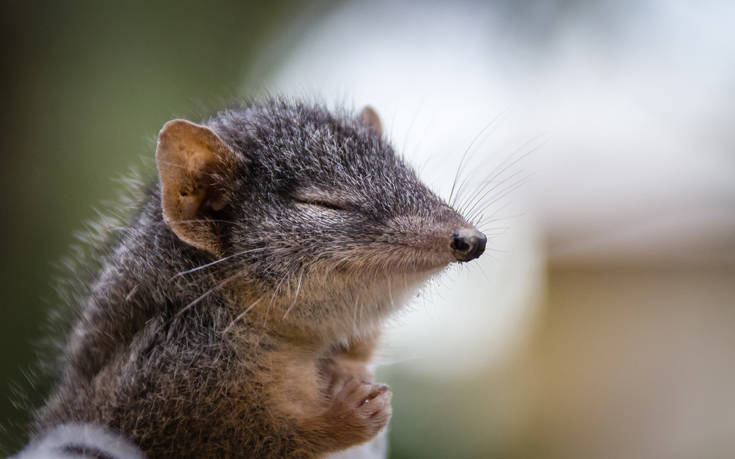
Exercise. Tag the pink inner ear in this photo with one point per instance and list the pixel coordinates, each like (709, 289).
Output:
(188, 206)
(186, 155)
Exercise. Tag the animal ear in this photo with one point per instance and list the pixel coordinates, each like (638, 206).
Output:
(192, 161)
(369, 117)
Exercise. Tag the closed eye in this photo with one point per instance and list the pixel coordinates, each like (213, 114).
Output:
(326, 204)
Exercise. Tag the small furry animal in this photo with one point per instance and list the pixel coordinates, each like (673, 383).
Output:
(235, 313)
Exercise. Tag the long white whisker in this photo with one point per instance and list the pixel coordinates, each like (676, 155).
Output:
(498, 170)
(487, 191)
(494, 218)
(296, 297)
(241, 315)
(189, 271)
(273, 298)
(480, 215)
(466, 152)
(390, 293)
(207, 293)
(504, 193)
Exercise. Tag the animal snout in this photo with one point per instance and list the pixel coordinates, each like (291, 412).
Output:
(468, 244)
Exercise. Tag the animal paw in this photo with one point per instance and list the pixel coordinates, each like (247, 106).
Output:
(338, 373)
(360, 410)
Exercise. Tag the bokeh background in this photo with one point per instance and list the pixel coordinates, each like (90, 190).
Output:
(601, 322)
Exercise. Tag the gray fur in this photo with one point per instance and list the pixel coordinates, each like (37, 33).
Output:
(166, 349)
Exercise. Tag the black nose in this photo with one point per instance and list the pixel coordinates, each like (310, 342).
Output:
(468, 244)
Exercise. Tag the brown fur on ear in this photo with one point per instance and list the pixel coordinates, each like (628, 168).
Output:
(187, 155)
(369, 117)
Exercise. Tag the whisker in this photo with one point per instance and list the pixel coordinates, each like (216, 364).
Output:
(501, 168)
(131, 293)
(207, 220)
(466, 180)
(386, 363)
(481, 220)
(497, 171)
(508, 190)
(296, 297)
(207, 265)
(485, 192)
(354, 315)
(241, 315)
(207, 293)
(390, 292)
(273, 298)
(360, 306)
(482, 271)
(466, 152)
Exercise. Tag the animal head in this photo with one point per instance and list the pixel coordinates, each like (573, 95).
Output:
(313, 210)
